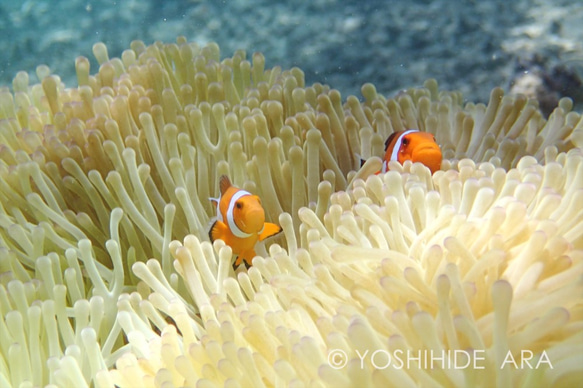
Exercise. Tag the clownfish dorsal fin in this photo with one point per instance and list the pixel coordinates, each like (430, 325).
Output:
(224, 184)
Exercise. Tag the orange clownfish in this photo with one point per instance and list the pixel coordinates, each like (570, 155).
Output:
(412, 145)
(240, 221)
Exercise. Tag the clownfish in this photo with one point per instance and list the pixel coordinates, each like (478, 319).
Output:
(412, 145)
(240, 221)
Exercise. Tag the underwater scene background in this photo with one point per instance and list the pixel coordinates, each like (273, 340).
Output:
(420, 163)
(471, 46)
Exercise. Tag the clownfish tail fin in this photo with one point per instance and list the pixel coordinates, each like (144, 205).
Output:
(360, 158)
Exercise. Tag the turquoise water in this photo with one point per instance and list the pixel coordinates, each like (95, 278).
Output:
(472, 46)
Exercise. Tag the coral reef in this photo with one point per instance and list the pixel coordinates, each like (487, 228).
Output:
(535, 79)
(107, 276)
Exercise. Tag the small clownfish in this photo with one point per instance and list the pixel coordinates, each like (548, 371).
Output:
(240, 221)
(412, 145)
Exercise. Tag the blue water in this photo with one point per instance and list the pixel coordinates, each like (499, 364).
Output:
(472, 46)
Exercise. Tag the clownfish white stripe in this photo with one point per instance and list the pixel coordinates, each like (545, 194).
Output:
(399, 142)
(231, 220)
(218, 201)
(385, 167)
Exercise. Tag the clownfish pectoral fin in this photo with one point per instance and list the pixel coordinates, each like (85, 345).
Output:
(215, 201)
(218, 230)
(224, 184)
(269, 230)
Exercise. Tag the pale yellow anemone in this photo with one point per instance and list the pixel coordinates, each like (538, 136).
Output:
(108, 278)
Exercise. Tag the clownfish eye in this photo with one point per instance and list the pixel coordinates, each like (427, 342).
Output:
(239, 205)
(405, 142)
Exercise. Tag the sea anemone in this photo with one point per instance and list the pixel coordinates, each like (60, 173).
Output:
(108, 277)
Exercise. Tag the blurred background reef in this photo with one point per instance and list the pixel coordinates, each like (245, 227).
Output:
(529, 46)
